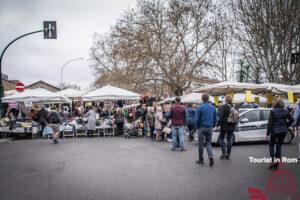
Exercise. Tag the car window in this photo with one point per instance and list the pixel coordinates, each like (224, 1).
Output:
(265, 115)
(252, 116)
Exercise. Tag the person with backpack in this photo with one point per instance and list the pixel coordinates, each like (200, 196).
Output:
(228, 120)
(42, 118)
(278, 126)
(296, 124)
(190, 116)
(55, 122)
(206, 119)
(151, 121)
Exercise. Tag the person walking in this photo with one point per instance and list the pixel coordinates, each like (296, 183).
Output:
(158, 123)
(206, 119)
(55, 122)
(142, 113)
(190, 116)
(178, 121)
(91, 125)
(42, 118)
(151, 122)
(279, 121)
(296, 124)
(119, 121)
(227, 126)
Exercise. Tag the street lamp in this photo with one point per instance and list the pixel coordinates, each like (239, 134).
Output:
(62, 68)
(82, 80)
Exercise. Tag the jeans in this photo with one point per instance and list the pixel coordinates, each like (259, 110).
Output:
(226, 148)
(178, 131)
(276, 139)
(152, 128)
(207, 134)
(191, 131)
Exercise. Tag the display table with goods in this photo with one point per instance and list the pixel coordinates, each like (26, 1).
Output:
(17, 129)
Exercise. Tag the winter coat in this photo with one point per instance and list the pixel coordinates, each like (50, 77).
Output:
(158, 120)
(279, 121)
(151, 119)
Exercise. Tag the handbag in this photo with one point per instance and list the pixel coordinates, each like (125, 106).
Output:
(167, 130)
(47, 131)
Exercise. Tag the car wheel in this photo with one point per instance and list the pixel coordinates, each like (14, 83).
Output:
(288, 138)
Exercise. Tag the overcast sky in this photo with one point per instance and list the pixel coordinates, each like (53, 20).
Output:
(33, 58)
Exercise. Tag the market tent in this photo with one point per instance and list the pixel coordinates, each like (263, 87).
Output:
(167, 100)
(241, 98)
(39, 95)
(194, 98)
(10, 92)
(281, 88)
(227, 87)
(71, 93)
(110, 93)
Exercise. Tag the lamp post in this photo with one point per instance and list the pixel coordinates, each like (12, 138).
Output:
(62, 68)
(82, 80)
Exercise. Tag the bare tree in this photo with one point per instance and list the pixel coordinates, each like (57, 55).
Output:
(268, 32)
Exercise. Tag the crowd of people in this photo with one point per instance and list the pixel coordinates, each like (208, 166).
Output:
(171, 121)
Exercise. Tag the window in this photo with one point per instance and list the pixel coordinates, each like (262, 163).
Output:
(252, 116)
(265, 115)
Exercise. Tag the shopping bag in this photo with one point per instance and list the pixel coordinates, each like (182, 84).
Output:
(47, 131)
(167, 130)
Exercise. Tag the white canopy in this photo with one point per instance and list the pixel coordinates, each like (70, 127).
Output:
(10, 92)
(281, 88)
(110, 93)
(70, 93)
(167, 100)
(36, 95)
(227, 87)
(194, 98)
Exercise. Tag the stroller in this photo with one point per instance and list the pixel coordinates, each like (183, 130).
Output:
(133, 130)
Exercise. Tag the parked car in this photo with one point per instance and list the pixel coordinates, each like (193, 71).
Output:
(252, 126)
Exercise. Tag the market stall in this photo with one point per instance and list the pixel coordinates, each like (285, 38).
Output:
(23, 103)
(194, 98)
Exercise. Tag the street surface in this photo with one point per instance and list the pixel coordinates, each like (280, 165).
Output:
(128, 169)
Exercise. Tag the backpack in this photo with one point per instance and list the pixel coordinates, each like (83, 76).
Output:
(54, 118)
(233, 115)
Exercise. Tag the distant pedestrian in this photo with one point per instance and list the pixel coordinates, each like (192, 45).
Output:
(206, 119)
(91, 125)
(296, 124)
(142, 113)
(42, 118)
(190, 116)
(279, 121)
(159, 119)
(227, 126)
(119, 121)
(55, 122)
(178, 122)
(151, 121)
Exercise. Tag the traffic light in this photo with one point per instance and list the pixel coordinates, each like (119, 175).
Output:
(50, 30)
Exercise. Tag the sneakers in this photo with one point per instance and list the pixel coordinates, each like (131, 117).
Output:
(182, 149)
(200, 161)
(227, 157)
(211, 162)
(223, 156)
(55, 141)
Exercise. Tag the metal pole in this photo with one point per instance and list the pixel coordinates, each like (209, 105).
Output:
(62, 68)
(2, 54)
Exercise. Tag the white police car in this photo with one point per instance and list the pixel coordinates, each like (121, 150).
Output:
(252, 126)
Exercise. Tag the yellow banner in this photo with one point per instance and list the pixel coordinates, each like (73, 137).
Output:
(290, 96)
(270, 99)
(216, 99)
(232, 96)
(256, 99)
(248, 96)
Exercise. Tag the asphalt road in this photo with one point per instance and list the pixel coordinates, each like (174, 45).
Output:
(119, 168)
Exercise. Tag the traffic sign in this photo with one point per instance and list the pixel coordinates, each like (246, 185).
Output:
(50, 30)
(20, 87)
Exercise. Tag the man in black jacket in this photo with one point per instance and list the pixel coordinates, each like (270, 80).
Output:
(279, 121)
(226, 128)
(42, 118)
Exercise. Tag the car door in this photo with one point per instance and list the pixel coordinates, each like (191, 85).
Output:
(247, 129)
(262, 125)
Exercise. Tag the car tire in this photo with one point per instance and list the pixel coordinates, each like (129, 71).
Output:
(288, 138)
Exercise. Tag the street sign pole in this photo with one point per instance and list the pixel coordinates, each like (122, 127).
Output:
(49, 33)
